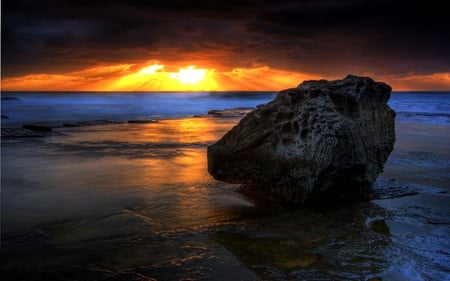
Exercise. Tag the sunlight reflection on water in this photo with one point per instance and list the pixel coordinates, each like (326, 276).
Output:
(162, 163)
(141, 187)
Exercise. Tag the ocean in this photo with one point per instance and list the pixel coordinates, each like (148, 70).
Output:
(134, 201)
(56, 108)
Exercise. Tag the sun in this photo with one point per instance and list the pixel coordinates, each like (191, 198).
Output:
(189, 75)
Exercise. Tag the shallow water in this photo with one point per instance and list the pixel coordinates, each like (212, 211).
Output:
(135, 202)
(118, 196)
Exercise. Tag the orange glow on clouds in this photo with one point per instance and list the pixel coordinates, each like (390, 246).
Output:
(155, 76)
(415, 82)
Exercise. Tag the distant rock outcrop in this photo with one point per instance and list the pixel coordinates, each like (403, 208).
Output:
(323, 139)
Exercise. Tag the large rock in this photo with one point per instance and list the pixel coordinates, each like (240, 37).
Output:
(323, 139)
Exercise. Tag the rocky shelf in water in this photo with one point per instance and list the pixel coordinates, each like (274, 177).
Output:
(22, 133)
(92, 123)
(38, 130)
(390, 188)
(143, 121)
(237, 112)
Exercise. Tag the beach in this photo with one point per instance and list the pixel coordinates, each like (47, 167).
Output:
(134, 200)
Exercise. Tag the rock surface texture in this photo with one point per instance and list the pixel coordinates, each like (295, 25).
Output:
(323, 139)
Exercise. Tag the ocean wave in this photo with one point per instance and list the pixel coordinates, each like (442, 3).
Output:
(436, 118)
(428, 114)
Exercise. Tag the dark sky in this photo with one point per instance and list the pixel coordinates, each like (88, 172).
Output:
(325, 37)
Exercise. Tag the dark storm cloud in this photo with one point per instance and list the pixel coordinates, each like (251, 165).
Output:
(325, 37)
(403, 36)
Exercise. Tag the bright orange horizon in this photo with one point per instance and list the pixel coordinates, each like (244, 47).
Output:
(156, 76)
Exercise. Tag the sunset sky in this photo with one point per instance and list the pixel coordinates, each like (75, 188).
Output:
(173, 45)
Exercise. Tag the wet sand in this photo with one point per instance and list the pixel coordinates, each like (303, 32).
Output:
(419, 224)
(421, 155)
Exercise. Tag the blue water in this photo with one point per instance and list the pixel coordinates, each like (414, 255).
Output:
(54, 108)
(421, 107)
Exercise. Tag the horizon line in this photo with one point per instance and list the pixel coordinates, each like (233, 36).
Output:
(149, 91)
(188, 91)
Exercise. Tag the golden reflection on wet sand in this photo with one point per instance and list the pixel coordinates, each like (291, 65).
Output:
(187, 130)
(165, 166)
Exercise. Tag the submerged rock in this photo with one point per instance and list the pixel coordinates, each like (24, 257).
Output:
(92, 123)
(20, 133)
(323, 139)
(380, 226)
(282, 252)
(230, 112)
(143, 121)
(237, 112)
(10, 99)
(38, 128)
